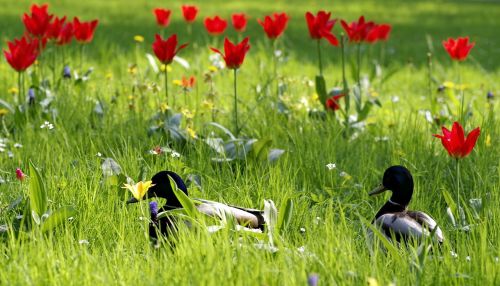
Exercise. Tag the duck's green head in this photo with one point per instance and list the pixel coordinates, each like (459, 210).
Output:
(163, 189)
(399, 180)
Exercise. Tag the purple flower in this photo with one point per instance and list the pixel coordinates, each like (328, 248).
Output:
(312, 279)
(153, 207)
(490, 95)
(31, 96)
(66, 72)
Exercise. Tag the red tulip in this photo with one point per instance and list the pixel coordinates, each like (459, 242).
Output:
(162, 16)
(65, 35)
(215, 26)
(239, 22)
(55, 28)
(321, 26)
(275, 26)
(22, 53)
(234, 55)
(188, 83)
(378, 33)
(333, 102)
(20, 175)
(455, 142)
(189, 12)
(459, 48)
(165, 50)
(38, 23)
(357, 31)
(84, 31)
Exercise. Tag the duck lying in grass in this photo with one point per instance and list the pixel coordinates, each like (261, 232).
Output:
(393, 219)
(160, 187)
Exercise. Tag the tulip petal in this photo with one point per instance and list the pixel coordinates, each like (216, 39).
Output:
(470, 142)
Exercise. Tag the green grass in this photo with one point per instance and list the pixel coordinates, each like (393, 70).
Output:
(331, 208)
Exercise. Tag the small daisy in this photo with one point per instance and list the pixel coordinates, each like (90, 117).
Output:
(331, 166)
(47, 125)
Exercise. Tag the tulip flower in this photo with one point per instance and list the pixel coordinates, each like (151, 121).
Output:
(162, 17)
(320, 26)
(378, 33)
(234, 55)
(274, 26)
(357, 31)
(55, 27)
(333, 102)
(139, 190)
(459, 48)
(22, 53)
(65, 35)
(37, 24)
(239, 22)
(20, 175)
(215, 26)
(165, 51)
(458, 146)
(189, 12)
(455, 142)
(84, 31)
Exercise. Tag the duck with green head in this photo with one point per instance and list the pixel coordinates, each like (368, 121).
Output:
(161, 187)
(393, 219)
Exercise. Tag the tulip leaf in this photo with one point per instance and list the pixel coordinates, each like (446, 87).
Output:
(152, 63)
(37, 192)
(449, 201)
(224, 129)
(186, 203)
(275, 154)
(321, 89)
(285, 214)
(271, 217)
(57, 218)
(6, 105)
(260, 149)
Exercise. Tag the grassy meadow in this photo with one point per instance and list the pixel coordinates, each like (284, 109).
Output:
(112, 113)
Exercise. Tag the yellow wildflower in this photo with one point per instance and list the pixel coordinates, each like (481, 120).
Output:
(13, 90)
(162, 68)
(208, 104)
(212, 68)
(138, 38)
(140, 189)
(109, 76)
(132, 69)
(371, 281)
(188, 114)
(449, 84)
(3, 111)
(177, 82)
(488, 140)
(191, 132)
(315, 97)
(164, 107)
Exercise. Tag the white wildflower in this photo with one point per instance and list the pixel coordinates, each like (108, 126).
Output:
(47, 125)
(331, 166)
(395, 99)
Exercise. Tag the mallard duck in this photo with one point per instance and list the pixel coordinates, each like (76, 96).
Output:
(161, 188)
(393, 219)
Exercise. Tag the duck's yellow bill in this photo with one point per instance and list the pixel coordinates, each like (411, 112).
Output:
(380, 189)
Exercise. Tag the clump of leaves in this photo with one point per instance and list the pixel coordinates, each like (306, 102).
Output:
(234, 148)
(37, 216)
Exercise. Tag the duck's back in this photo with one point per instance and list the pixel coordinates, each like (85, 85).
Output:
(407, 225)
(248, 217)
